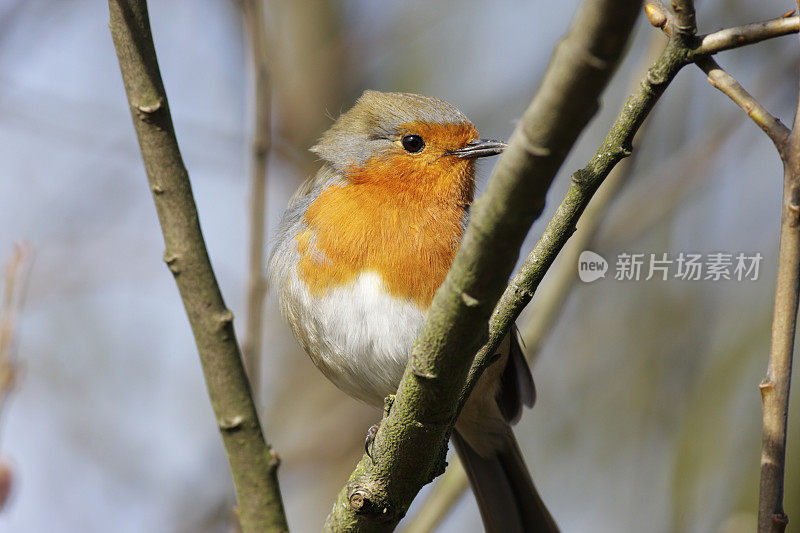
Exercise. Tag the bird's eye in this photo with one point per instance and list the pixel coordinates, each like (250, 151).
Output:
(413, 143)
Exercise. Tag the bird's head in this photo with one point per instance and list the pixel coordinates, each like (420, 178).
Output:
(406, 142)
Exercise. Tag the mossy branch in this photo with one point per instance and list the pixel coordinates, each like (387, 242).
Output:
(253, 463)
(411, 443)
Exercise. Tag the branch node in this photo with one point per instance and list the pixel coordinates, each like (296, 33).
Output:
(421, 374)
(532, 148)
(149, 109)
(274, 459)
(157, 189)
(656, 17)
(231, 424)
(581, 177)
(363, 501)
(655, 79)
(147, 112)
(780, 519)
(766, 387)
(357, 500)
(522, 291)
(788, 14)
(469, 301)
(225, 318)
(172, 260)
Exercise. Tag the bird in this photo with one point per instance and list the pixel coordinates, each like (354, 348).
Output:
(359, 253)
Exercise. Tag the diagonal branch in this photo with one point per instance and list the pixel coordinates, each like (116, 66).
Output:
(412, 440)
(253, 463)
(728, 85)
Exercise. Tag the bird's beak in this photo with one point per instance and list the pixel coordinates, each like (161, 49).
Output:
(479, 148)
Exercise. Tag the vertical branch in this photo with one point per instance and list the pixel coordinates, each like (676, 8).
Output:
(256, 282)
(775, 386)
(253, 463)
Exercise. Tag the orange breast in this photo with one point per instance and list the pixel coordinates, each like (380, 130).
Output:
(399, 216)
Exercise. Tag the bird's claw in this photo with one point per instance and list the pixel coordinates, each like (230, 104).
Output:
(370, 440)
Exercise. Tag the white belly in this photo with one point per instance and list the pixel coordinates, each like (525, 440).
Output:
(357, 334)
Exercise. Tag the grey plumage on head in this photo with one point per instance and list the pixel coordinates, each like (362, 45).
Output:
(373, 124)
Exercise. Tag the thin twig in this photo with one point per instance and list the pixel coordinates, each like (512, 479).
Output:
(256, 281)
(728, 38)
(410, 446)
(253, 463)
(728, 85)
(739, 36)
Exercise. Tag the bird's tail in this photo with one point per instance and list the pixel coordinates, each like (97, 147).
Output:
(507, 498)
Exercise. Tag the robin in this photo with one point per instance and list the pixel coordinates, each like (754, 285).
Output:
(361, 250)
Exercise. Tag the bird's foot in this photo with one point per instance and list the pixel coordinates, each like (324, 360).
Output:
(370, 440)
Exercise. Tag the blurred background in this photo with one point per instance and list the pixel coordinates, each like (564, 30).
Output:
(648, 415)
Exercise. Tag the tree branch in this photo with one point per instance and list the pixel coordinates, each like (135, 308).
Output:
(728, 85)
(739, 36)
(412, 440)
(253, 11)
(253, 463)
(775, 386)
